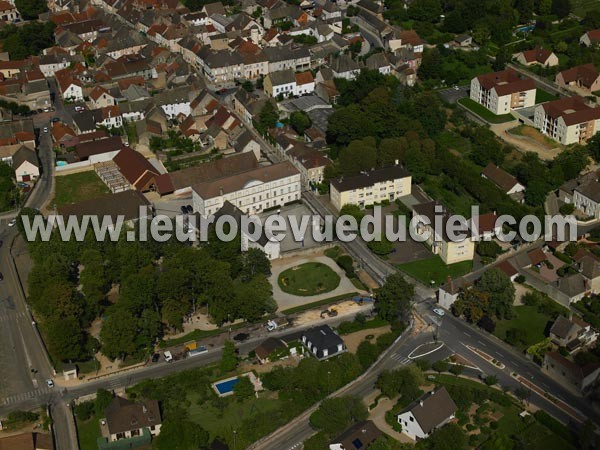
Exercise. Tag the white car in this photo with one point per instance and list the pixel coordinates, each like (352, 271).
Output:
(439, 312)
(45, 129)
(49, 383)
(12, 223)
(168, 356)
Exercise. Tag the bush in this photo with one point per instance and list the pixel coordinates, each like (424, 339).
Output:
(490, 249)
(22, 416)
(490, 380)
(333, 252)
(347, 264)
(567, 209)
(440, 366)
(520, 279)
(456, 369)
(85, 410)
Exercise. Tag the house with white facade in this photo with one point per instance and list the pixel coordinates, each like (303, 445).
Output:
(568, 120)
(126, 419)
(322, 342)
(586, 197)
(345, 67)
(175, 101)
(252, 191)
(503, 91)
(25, 164)
(280, 83)
(70, 87)
(427, 414)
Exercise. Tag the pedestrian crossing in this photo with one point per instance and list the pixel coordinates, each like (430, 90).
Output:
(400, 358)
(12, 317)
(24, 396)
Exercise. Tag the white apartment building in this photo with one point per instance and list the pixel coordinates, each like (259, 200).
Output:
(251, 192)
(567, 120)
(501, 92)
(375, 186)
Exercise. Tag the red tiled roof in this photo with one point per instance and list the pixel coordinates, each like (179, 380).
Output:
(505, 82)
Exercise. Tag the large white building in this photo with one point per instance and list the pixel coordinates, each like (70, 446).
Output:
(501, 92)
(368, 188)
(432, 411)
(251, 192)
(568, 120)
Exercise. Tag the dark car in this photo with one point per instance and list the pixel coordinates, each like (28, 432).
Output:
(155, 357)
(1, 242)
(241, 337)
(1, 276)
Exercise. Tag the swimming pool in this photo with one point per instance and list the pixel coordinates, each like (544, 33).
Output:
(226, 386)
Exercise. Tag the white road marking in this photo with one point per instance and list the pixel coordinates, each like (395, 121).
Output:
(481, 343)
(466, 334)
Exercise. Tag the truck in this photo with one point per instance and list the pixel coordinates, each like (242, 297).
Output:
(277, 324)
(197, 351)
(363, 299)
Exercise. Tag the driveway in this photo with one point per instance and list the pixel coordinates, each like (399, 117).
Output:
(452, 95)
(286, 301)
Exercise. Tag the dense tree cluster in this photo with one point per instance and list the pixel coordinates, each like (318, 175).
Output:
(29, 39)
(8, 191)
(141, 289)
(31, 9)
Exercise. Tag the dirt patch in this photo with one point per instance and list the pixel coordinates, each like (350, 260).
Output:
(353, 340)
(344, 308)
(520, 291)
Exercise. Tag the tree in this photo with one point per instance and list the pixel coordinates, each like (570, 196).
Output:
(229, 359)
(450, 437)
(347, 124)
(248, 86)
(103, 399)
(254, 262)
(381, 247)
(440, 366)
(360, 155)
(425, 10)
(390, 151)
(593, 147)
(300, 121)
(561, 8)
(431, 65)
(180, 433)
(516, 336)
(337, 414)
(65, 338)
(268, 117)
(456, 369)
(243, 389)
(118, 334)
(394, 299)
(501, 292)
(491, 380)
(352, 210)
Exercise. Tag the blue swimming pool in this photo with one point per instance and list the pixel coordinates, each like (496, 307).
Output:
(225, 387)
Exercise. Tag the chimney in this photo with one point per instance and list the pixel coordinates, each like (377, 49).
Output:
(221, 191)
(421, 403)
(396, 162)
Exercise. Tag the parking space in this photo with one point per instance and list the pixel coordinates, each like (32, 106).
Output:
(298, 211)
(455, 93)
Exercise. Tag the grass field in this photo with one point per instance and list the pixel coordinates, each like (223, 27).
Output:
(88, 433)
(434, 269)
(542, 96)
(307, 279)
(580, 7)
(485, 113)
(526, 318)
(78, 187)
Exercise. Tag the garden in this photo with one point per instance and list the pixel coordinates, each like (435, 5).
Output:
(485, 113)
(78, 187)
(312, 278)
(434, 269)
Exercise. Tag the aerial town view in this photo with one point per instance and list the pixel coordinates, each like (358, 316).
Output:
(299, 224)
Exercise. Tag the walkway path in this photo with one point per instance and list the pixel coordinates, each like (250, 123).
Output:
(377, 415)
(286, 301)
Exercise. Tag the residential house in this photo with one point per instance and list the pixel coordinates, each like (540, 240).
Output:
(246, 143)
(8, 12)
(463, 40)
(449, 292)
(485, 226)
(379, 62)
(504, 181)
(537, 56)
(70, 87)
(281, 83)
(141, 173)
(101, 98)
(247, 106)
(305, 84)
(410, 39)
(563, 369)
(51, 63)
(370, 187)
(110, 117)
(267, 348)
(288, 57)
(25, 164)
(585, 77)
(452, 249)
(27, 441)
(221, 66)
(358, 437)
(572, 333)
(590, 38)
(345, 67)
(126, 419)
(322, 342)
(586, 197)
(252, 191)
(503, 91)
(567, 120)
(310, 163)
(427, 414)
(175, 101)
(99, 150)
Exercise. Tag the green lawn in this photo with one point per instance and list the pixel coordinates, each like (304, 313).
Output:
(307, 279)
(526, 318)
(78, 187)
(542, 96)
(485, 113)
(88, 433)
(434, 269)
(234, 413)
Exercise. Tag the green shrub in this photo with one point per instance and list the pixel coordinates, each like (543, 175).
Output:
(567, 209)
(347, 264)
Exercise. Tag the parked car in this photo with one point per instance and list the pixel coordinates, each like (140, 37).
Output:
(168, 356)
(1, 276)
(439, 312)
(12, 223)
(79, 108)
(45, 129)
(49, 383)
(241, 337)
(1, 242)
(155, 357)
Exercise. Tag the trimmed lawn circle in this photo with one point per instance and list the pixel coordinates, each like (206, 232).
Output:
(312, 278)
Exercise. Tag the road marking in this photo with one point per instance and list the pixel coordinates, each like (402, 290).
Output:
(466, 334)
(498, 353)
(23, 396)
(481, 343)
(513, 363)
